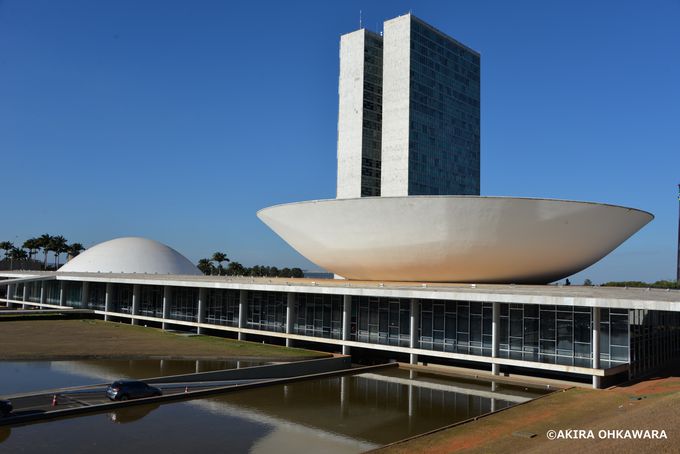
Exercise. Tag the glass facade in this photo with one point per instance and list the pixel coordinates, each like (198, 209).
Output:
(184, 304)
(457, 327)
(318, 315)
(96, 296)
(150, 301)
(222, 307)
(122, 298)
(381, 320)
(52, 292)
(444, 114)
(538, 333)
(73, 294)
(267, 311)
(372, 116)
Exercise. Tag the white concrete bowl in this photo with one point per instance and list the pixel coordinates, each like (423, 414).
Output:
(453, 238)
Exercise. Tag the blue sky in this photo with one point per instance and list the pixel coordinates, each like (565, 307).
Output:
(179, 120)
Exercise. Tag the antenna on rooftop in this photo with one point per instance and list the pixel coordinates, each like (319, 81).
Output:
(677, 276)
(360, 24)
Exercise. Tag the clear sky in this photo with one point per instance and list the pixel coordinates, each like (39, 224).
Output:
(178, 120)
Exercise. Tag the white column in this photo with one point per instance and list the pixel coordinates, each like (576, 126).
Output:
(415, 312)
(596, 345)
(495, 336)
(62, 293)
(202, 303)
(108, 298)
(346, 321)
(242, 312)
(167, 295)
(10, 294)
(43, 293)
(136, 294)
(24, 296)
(290, 316)
(84, 294)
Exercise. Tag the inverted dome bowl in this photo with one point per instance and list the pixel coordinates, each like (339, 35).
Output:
(453, 238)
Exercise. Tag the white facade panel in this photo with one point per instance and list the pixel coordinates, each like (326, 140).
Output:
(350, 114)
(396, 103)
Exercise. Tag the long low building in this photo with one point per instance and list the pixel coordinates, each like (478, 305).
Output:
(585, 331)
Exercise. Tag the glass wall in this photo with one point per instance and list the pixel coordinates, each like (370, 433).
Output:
(122, 298)
(184, 304)
(654, 339)
(150, 301)
(96, 296)
(73, 293)
(267, 311)
(456, 326)
(52, 292)
(33, 291)
(318, 315)
(381, 320)
(222, 307)
(18, 292)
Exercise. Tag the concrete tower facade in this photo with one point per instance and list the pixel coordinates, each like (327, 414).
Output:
(427, 113)
(359, 114)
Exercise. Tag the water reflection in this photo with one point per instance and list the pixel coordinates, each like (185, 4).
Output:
(130, 414)
(347, 414)
(26, 376)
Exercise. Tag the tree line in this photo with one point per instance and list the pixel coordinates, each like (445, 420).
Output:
(657, 284)
(213, 266)
(57, 245)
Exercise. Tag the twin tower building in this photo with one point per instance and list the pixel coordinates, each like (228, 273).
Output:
(409, 112)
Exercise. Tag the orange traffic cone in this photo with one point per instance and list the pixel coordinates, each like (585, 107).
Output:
(54, 400)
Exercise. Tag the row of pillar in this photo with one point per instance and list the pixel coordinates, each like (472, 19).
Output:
(290, 317)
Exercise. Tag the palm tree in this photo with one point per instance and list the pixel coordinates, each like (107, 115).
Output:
(219, 257)
(235, 269)
(205, 266)
(32, 245)
(58, 245)
(44, 244)
(73, 250)
(6, 246)
(16, 254)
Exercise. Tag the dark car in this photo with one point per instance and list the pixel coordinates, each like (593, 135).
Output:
(131, 389)
(5, 408)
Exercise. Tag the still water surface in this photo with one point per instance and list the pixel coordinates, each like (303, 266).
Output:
(333, 415)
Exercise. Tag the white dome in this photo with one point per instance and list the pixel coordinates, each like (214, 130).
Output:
(131, 255)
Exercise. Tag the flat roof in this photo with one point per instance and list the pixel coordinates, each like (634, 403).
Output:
(573, 295)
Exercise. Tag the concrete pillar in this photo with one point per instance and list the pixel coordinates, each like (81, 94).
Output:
(242, 312)
(414, 343)
(495, 337)
(84, 294)
(10, 294)
(596, 346)
(43, 293)
(290, 316)
(202, 305)
(62, 293)
(108, 299)
(346, 321)
(167, 295)
(136, 295)
(24, 296)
